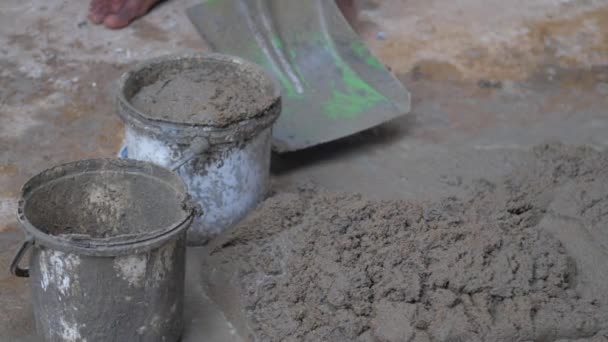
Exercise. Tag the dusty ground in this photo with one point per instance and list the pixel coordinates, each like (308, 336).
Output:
(468, 39)
(484, 87)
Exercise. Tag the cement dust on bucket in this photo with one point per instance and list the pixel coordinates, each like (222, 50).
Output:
(210, 118)
(106, 238)
(107, 242)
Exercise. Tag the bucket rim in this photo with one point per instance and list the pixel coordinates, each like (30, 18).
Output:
(258, 120)
(112, 246)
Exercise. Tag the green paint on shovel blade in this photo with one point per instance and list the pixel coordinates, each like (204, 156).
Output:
(350, 95)
(357, 96)
(362, 52)
(289, 90)
(213, 2)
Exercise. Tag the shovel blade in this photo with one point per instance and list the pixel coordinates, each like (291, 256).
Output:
(332, 86)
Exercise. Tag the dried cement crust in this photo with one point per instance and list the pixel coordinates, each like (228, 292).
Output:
(316, 266)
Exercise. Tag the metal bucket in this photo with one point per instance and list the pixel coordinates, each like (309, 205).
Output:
(216, 132)
(107, 239)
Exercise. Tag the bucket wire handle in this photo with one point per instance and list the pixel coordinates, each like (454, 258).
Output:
(15, 269)
(198, 146)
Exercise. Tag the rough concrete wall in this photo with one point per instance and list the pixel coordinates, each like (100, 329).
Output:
(494, 39)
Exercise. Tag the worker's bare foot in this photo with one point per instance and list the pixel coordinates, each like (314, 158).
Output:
(117, 14)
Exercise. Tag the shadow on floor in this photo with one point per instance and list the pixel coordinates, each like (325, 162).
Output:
(383, 134)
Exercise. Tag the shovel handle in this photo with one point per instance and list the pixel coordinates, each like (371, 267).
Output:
(15, 269)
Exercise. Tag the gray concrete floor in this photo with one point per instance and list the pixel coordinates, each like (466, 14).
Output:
(57, 74)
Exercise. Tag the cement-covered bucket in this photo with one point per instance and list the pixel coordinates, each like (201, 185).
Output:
(210, 118)
(107, 240)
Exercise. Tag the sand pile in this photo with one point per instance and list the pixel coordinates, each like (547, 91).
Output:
(215, 96)
(490, 266)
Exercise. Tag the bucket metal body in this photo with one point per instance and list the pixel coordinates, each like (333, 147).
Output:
(123, 284)
(227, 178)
(124, 298)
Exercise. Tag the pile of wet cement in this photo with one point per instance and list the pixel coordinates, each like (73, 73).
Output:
(317, 266)
(216, 97)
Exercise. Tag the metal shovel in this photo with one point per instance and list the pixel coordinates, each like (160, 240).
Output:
(332, 85)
